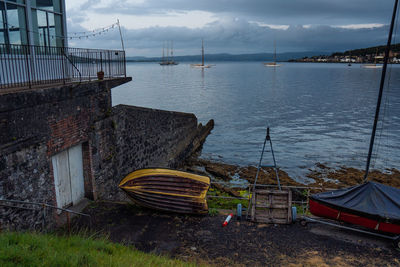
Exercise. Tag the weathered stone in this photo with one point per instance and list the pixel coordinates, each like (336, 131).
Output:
(37, 124)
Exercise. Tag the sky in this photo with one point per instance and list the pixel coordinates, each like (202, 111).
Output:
(230, 26)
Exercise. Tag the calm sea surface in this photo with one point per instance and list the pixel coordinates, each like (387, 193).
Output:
(316, 112)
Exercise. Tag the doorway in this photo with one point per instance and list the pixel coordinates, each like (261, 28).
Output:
(68, 176)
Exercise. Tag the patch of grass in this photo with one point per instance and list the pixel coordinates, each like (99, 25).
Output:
(212, 212)
(223, 203)
(33, 249)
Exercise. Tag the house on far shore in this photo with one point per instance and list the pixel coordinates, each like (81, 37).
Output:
(62, 143)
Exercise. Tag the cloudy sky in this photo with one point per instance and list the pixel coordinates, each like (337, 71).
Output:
(231, 26)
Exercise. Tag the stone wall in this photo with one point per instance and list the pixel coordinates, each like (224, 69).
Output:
(142, 138)
(35, 125)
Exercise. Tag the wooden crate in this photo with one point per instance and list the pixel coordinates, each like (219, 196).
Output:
(272, 206)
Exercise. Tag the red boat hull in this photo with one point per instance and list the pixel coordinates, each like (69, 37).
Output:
(321, 210)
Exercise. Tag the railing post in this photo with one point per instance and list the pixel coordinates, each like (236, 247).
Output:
(26, 48)
(89, 63)
(124, 62)
(101, 61)
(63, 63)
(109, 64)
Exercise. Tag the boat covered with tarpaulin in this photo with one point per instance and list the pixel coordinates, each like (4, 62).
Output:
(371, 205)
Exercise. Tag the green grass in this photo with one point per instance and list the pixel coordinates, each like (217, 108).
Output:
(33, 249)
(223, 203)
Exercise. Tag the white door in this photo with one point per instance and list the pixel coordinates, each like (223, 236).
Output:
(61, 179)
(76, 173)
(68, 176)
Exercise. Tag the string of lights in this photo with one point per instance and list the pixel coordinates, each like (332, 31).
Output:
(71, 35)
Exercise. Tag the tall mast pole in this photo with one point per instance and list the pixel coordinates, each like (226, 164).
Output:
(378, 104)
(163, 54)
(172, 51)
(167, 51)
(120, 34)
(202, 52)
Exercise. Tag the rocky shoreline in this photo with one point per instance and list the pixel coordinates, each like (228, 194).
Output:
(322, 175)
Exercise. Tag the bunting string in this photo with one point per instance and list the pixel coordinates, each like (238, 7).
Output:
(71, 35)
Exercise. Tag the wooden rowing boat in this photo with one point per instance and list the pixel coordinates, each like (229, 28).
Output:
(168, 190)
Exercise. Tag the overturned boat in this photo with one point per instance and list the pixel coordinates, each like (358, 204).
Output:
(167, 190)
(371, 205)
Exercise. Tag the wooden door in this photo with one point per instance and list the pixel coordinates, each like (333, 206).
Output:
(68, 176)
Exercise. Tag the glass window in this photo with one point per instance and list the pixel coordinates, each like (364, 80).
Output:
(52, 30)
(45, 4)
(15, 20)
(48, 28)
(59, 30)
(3, 25)
(17, 1)
(42, 28)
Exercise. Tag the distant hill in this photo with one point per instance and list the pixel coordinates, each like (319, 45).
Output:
(230, 57)
(368, 51)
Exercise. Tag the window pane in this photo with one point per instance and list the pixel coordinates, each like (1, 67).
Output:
(59, 30)
(3, 25)
(2, 16)
(16, 24)
(35, 28)
(52, 30)
(42, 28)
(17, 1)
(45, 4)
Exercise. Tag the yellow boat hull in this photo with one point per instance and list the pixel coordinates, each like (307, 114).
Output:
(168, 190)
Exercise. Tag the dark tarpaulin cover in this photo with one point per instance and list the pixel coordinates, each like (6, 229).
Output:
(371, 200)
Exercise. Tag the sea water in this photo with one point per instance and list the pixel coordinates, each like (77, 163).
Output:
(317, 112)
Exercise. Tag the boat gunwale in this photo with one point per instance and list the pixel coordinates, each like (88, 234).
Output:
(192, 176)
(369, 216)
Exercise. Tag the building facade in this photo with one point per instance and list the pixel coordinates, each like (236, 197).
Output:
(33, 22)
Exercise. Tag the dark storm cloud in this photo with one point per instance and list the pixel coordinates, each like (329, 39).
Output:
(239, 36)
(271, 11)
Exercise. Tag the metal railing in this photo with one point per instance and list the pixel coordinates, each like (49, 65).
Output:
(28, 66)
(42, 207)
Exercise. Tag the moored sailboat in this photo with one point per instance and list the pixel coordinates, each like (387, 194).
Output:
(273, 64)
(372, 65)
(168, 59)
(202, 66)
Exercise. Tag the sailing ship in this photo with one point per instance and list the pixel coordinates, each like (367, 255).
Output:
(167, 190)
(168, 58)
(273, 64)
(370, 205)
(372, 65)
(202, 66)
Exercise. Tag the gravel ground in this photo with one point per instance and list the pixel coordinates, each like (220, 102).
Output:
(241, 243)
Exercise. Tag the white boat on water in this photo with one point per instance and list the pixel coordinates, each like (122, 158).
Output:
(273, 64)
(373, 65)
(201, 66)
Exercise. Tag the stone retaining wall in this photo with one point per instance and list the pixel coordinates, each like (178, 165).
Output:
(35, 125)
